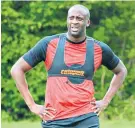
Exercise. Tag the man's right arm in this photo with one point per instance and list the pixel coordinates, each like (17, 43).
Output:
(18, 73)
(30, 59)
(24, 64)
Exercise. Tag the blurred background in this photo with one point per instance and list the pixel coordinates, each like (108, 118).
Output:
(26, 22)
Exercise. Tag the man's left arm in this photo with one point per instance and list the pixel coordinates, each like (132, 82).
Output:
(120, 73)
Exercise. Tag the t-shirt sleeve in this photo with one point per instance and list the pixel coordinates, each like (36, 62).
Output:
(36, 54)
(109, 59)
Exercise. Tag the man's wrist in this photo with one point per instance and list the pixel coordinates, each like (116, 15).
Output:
(30, 105)
(106, 101)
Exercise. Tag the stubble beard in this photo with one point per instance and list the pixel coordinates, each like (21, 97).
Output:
(75, 34)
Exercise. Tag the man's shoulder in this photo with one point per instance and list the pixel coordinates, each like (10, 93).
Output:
(95, 41)
(47, 39)
(55, 36)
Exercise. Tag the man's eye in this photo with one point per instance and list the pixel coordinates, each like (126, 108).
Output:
(71, 18)
(79, 19)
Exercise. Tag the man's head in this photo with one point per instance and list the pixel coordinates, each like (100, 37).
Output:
(78, 20)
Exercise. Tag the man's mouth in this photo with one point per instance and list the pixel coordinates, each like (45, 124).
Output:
(74, 29)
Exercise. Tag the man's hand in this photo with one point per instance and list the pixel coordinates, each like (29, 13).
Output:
(41, 111)
(99, 106)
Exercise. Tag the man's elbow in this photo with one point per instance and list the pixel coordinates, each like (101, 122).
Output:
(124, 71)
(14, 70)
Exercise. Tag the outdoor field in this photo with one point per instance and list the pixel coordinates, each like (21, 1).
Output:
(31, 29)
(104, 124)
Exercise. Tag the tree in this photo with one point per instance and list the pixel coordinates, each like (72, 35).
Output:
(26, 22)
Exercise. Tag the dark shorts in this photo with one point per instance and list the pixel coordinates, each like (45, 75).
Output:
(89, 120)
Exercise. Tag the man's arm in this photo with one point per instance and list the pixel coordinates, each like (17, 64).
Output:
(18, 73)
(120, 73)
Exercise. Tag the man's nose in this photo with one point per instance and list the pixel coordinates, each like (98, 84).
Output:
(74, 21)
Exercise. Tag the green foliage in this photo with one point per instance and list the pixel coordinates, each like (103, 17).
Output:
(26, 22)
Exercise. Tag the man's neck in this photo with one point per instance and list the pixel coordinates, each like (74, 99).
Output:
(76, 40)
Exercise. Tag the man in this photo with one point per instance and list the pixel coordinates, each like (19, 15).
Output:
(71, 59)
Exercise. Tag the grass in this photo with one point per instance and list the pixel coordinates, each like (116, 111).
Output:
(104, 124)
(117, 124)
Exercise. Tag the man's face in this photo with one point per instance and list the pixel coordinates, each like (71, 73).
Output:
(77, 22)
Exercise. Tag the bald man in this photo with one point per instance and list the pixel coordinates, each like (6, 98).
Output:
(70, 59)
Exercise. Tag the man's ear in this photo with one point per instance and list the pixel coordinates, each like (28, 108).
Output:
(88, 23)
